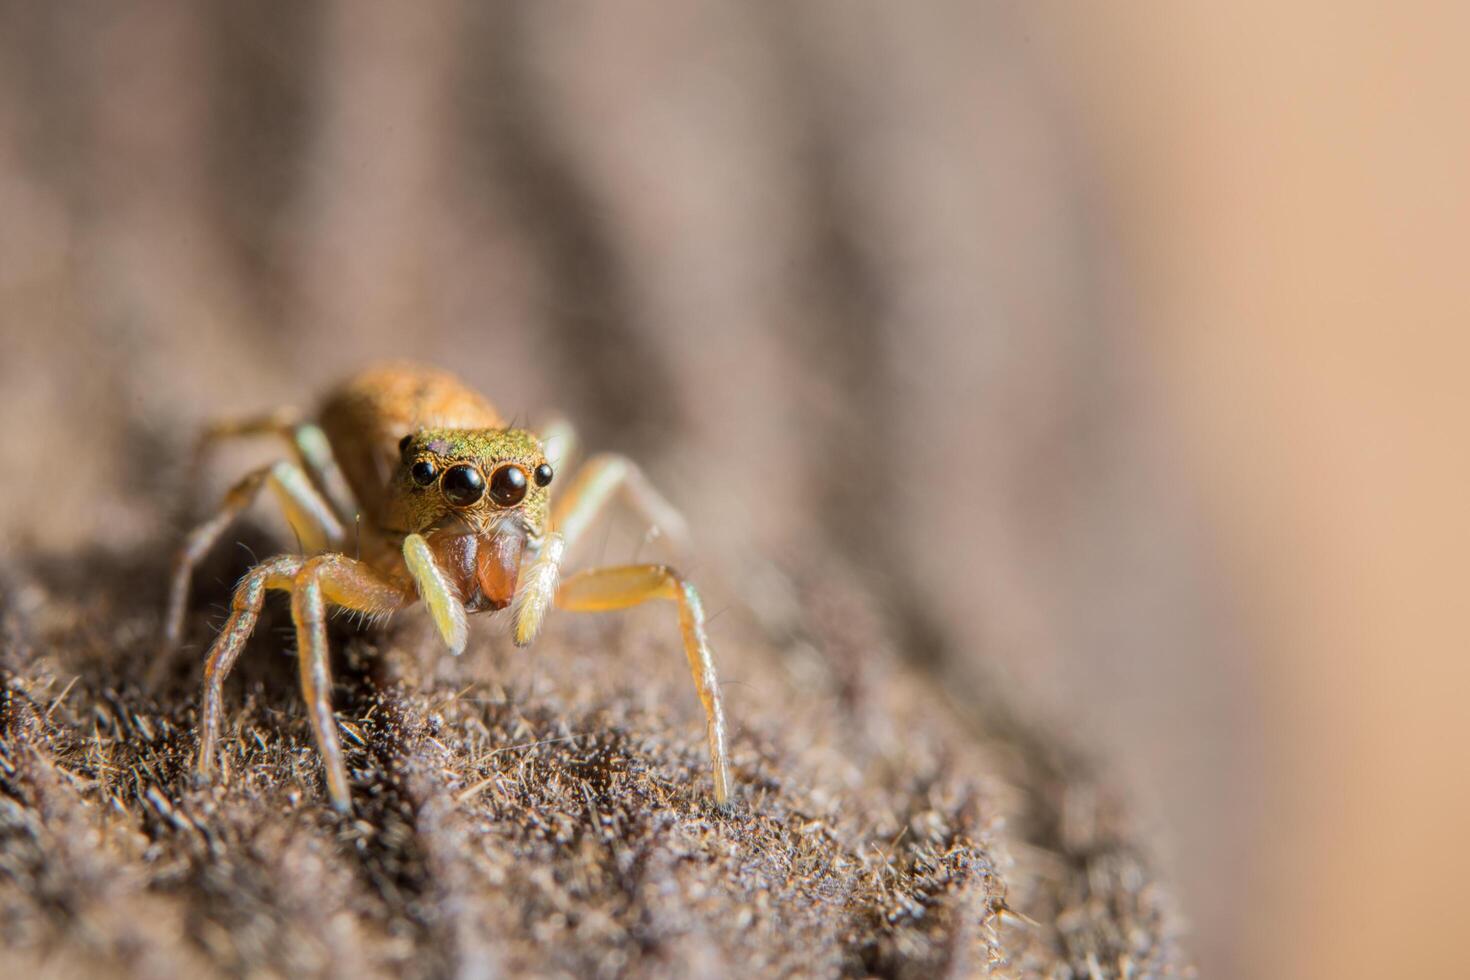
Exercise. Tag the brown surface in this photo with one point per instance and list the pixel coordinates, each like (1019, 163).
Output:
(830, 280)
(541, 812)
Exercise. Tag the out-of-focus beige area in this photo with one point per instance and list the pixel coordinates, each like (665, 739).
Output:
(1120, 343)
(1288, 204)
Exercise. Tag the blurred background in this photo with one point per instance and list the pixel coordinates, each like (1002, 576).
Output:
(1121, 346)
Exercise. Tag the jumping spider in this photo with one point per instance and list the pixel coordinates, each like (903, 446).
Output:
(446, 504)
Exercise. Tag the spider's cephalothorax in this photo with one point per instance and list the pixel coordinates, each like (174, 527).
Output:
(447, 505)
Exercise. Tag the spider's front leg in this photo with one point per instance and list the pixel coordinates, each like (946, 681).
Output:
(245, 606)
(603, 589)
(350, 584)
(313, 583)
(592, 489)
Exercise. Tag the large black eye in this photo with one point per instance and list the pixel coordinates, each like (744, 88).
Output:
(542, 476)
(508, 485)
(463, 485)
(423, 472)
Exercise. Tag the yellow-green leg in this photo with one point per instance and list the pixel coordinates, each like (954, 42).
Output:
(603, 589)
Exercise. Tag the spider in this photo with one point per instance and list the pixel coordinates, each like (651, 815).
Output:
(450, 506)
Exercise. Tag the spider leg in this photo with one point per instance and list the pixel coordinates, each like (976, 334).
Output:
(350, 584)
(313, 583)
(309, 514)
(594, 485)
(277, 573)
(618, 587)
(308, 444)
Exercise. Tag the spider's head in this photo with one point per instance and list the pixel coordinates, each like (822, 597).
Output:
(473, 479)
(477, 495)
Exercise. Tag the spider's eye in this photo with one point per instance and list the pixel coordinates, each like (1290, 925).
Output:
(542, 475)
(463, 485)
(403, 443)
(508, 485)
(423, 472)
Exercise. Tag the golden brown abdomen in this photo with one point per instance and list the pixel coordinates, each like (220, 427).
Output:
(365, 417)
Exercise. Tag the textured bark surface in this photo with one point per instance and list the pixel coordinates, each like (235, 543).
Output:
(543, 811)
(827, 278)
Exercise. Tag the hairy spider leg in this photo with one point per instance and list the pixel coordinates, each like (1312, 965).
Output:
(349, 584)
(308, 512)
(592, 488)
(277, 573)
(313, 583)
(619, 587)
